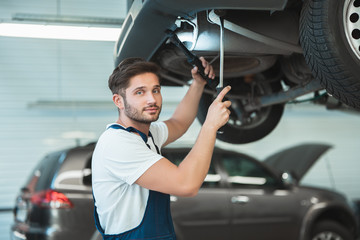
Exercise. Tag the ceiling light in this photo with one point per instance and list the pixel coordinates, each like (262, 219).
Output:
(59, 32)
(67, 19)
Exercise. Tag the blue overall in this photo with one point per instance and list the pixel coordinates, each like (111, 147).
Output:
(156, 223)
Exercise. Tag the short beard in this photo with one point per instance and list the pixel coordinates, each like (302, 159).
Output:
(137, 116)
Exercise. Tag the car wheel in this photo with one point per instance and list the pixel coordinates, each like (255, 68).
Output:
(330, 38)
(245, 127)
(330, 230)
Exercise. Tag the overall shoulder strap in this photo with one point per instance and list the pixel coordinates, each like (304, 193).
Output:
(142, 135)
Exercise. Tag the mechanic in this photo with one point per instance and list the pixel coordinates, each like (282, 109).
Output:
(131, 180)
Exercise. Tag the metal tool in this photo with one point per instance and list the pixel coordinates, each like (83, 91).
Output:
(220, 87)
(195, 61)
(192, 59)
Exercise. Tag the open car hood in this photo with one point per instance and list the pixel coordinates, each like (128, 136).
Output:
(297, 160)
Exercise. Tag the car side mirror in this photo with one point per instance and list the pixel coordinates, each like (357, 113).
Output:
(288, 179)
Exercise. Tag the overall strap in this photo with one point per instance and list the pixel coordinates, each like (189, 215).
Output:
(142, 135)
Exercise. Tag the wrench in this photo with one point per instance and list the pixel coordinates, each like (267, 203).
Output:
(220, 87)
(191, 58)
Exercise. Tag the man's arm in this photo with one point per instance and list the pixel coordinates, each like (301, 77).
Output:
(186, 179)
(185, 112)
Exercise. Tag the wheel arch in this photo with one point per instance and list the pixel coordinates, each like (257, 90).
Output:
(320, 212)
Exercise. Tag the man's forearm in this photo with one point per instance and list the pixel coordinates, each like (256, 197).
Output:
(186, 111)
(196, 164)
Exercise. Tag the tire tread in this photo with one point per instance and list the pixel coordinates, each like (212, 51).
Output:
(322, 56)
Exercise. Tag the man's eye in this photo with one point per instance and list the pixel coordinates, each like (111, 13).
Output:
(138, 92)
(156, 91)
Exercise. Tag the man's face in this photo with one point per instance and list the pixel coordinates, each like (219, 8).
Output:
(143, 100)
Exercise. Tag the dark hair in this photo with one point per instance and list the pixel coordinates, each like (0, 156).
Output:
(128, 68)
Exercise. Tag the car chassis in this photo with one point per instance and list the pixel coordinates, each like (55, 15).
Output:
(268, 42)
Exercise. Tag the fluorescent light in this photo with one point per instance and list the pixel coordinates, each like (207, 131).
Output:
(59, 32)
(67, 20)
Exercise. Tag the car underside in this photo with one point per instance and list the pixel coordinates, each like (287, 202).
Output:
(273, 53)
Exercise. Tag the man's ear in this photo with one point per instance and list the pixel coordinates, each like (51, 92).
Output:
(118, 100)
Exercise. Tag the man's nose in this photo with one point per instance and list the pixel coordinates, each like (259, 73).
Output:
(151, 98)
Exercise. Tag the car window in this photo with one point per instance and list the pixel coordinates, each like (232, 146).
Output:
(43, 174)
(212, 179)
(243, 172)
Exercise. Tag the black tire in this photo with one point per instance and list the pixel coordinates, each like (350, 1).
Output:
(259, 123)
(330, 230)
(330, 38)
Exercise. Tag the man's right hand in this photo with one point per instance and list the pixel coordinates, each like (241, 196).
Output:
(218, 113)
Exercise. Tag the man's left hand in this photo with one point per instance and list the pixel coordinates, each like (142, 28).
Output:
(209, 71)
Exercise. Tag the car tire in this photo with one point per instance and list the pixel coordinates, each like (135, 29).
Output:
(330, 38)
(260, 122)
(330, 230)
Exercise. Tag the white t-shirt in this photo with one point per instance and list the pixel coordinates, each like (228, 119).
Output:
(119, 159)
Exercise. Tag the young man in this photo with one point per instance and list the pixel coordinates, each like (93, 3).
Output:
(131, 180)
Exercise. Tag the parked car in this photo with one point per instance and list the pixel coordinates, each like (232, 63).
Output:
(241, 197)
(274, 52)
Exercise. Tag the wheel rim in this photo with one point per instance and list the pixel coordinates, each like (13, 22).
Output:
(327, 236)
(351, 20)
(249, 120)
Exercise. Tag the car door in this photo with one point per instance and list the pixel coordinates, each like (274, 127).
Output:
(260, 208)
(205, 216)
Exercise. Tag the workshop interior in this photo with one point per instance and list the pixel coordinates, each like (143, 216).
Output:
(285, 166)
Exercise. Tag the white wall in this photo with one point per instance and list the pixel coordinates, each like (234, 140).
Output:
(85, 8)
